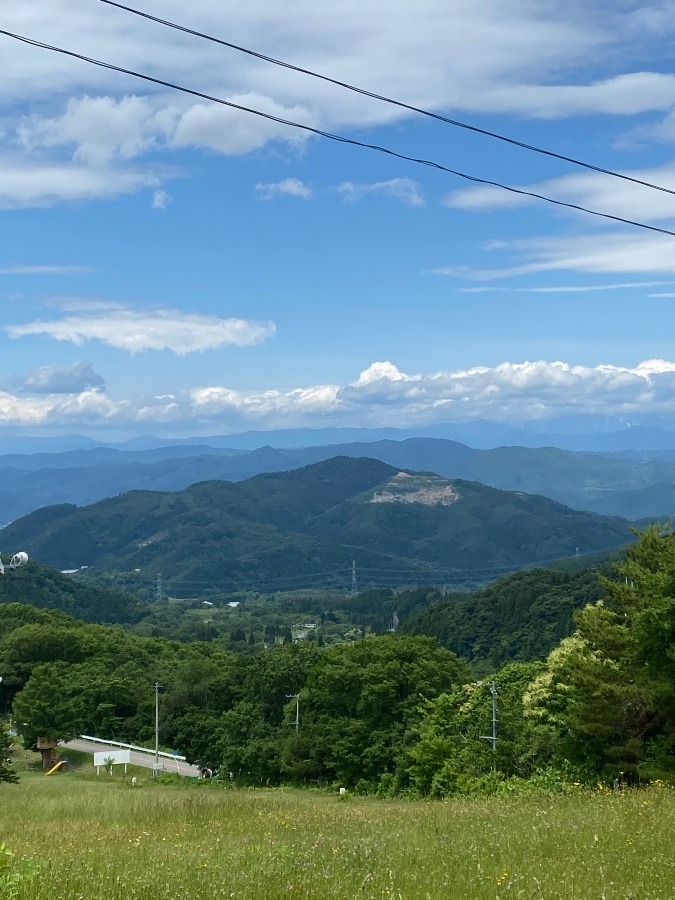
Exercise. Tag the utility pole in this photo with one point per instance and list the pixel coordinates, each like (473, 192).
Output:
(157, 688)
(296, 697)
(493, 737)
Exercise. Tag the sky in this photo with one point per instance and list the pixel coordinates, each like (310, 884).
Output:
(172, 266)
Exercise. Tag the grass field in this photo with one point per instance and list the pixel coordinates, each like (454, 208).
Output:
(101, 839)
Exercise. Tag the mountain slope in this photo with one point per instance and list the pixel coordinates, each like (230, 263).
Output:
(299, 527)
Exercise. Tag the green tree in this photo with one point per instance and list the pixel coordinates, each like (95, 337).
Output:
(7, 773)
(609, 689)
(47, 706)
(450, 749)
(360, 701)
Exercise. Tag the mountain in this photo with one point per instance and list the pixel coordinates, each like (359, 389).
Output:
(304, 528)
(610, 485)
(591, 432)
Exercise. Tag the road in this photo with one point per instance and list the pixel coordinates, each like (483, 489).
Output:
(137, 757)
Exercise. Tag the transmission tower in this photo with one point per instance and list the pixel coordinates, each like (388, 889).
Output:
(354, 590)
(158, 591)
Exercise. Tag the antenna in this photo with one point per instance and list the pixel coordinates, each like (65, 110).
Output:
(354, 590)
(19, 559)
(296, 697)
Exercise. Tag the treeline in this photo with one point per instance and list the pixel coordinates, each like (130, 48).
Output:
(394, 713)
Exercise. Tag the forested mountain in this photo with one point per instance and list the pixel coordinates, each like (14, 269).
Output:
(306, 527)
(633, 488)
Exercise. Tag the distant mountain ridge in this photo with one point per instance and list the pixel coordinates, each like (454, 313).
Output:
(589, 432)
(306, 526)
(624, 484)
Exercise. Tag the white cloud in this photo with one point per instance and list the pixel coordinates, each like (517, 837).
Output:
(404, 189)
(159, 329)
(591, 189)
(626, 95)
(483, 55)
(98, 129)
(381, 395)
(160, 200)
(567, 288)
(43, 270)
(33, 183)
(59, 379)
(539, 60)
(91, 407)
(605, 253)
(289, 187)
(232, 131)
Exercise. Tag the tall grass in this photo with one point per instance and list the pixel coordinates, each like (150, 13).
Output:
(104, 839)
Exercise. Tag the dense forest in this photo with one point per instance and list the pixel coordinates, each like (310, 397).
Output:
(389, 713)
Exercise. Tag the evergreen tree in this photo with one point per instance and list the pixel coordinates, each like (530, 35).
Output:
(610, 687)
(7, 773)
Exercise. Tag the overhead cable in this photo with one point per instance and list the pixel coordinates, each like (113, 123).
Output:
(333, 137)
(384, 99)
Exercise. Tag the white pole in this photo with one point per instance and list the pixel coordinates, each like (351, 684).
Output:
(156, 687)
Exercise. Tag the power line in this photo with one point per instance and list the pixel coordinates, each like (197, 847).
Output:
(384, 99)
(334, 137)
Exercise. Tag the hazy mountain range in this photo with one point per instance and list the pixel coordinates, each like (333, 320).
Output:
(634, 484)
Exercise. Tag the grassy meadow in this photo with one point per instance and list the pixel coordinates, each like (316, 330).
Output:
(101, 838)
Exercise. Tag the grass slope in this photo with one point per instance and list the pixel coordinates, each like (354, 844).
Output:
(96, 839)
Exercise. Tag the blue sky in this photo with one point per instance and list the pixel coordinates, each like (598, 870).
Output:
(173, 267)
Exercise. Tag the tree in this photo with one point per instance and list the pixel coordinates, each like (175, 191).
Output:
(48, 706)
(359, 703)
(7, 773)
(609, 689)
(449, 749)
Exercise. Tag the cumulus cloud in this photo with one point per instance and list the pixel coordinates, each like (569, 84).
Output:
(404, 189)
(381, 395)
(233, 131)
(90, 407)
(289, 187)
(85, 152)
(60, 379)
(98, 129)
(158, 329)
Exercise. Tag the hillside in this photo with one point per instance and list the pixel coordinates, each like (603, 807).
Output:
(520, 617)
(304, 528)
(41, 586)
